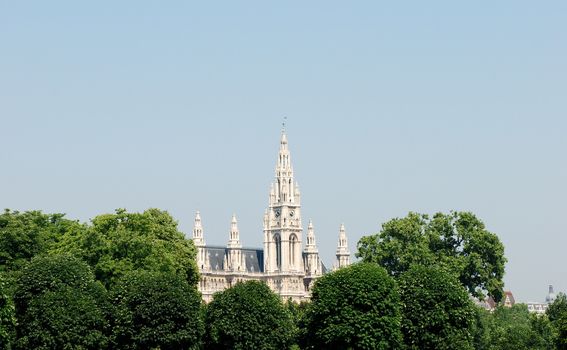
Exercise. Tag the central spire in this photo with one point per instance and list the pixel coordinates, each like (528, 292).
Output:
(283, 140)
(285, 187)
(284, 160)
(282, 220)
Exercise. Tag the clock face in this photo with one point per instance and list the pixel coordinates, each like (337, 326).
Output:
(277, 213)
(291, 213)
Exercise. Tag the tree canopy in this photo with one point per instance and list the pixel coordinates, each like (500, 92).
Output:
(60, 305)
(156, 310)
(248, 316)
(7, 316)
(25, 235)
(354, 307)
(437, 312)
(116, 244)
(557, 313)
(458, 242)
(513, 328)
(129, 281)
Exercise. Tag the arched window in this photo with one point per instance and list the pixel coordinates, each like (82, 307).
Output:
(278, 242)
(293, 246)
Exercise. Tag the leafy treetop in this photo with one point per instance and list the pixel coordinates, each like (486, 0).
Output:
(458, 242)
(116, 244)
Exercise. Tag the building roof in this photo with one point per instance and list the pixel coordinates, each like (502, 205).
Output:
(253, 258)
(509, 298)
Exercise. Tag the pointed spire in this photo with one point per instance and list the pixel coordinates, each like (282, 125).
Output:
(198, 238)
(234, 239)
(313, 265)
(342, 237)
(283, 140)
(311, 244)
(284, 186)
(343, 254)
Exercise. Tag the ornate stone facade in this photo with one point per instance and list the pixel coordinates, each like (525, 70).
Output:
(288, 269)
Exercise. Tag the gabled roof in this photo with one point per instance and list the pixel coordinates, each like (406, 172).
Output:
(509, 298)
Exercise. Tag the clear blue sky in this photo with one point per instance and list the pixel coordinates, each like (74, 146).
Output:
(405, 106)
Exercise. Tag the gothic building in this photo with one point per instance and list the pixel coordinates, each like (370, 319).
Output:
(288, 269)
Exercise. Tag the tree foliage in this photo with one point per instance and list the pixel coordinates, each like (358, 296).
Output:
(156, 310)
(248, 316)
(354, 307)
(59, 305)
(437, 312)
(297, 312)
(7, 317)
(458, 242)
(557, 313)
(25, 235)
(116, 244)
(515, 328)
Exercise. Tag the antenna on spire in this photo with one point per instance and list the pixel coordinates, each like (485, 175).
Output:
(283, 123)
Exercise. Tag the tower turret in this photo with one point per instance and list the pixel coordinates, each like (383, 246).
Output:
(198, 238)
(310, 244)
(199, 241)
(234, 238)
(234, 258)
(313, 265)
(550, 298)
(343, 253)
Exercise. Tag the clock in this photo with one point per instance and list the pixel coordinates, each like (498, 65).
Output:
(277, 213)
(291, 213)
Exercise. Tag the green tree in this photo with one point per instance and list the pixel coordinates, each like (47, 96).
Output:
(156, 310)
(514, 328)
(7, 317)
(116, 244)
(558, 308)
(437, 312)
(458, 242)
(25, 235)
(356, 307)
(248, 316)
(543, 331)
(557, 313)
(482, 327)
(59, 305)
(297, 312)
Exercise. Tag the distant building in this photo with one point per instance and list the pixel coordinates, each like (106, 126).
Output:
(540, 308)
(489, 304)
(550, 298)
(287, 269)
(508, 299)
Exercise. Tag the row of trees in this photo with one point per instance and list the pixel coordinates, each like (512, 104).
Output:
(129, 281)
(126, 280)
